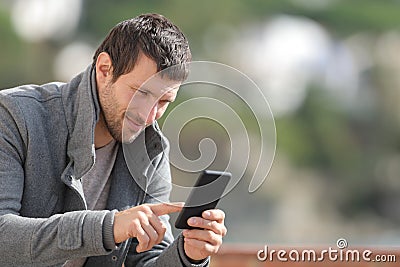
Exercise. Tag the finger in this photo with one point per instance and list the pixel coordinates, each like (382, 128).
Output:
(214, 215)
(166, 208)
(142, 238)
(204, 235)
(152, 236)
(216, 227)
(159, 227)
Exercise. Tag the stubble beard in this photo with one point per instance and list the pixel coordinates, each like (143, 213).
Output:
(109, 109)
(113, 122)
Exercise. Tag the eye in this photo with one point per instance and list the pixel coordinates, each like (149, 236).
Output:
(145, 93)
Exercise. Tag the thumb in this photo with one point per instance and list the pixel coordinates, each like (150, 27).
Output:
(166, 208)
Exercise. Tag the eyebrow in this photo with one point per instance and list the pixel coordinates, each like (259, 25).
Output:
(136, 86)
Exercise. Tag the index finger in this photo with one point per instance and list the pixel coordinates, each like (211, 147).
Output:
(166, 208)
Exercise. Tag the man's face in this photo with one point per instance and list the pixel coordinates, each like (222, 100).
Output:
(134, 101)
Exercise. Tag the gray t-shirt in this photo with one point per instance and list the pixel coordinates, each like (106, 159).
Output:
(96, 185)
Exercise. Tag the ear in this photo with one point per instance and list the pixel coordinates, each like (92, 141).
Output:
(104, 69)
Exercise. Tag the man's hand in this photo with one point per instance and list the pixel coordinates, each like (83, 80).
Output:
(143, 223)
(201, 243)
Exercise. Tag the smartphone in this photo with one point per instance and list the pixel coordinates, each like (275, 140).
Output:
(205, 195)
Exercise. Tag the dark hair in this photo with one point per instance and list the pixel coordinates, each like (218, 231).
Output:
(155, 36)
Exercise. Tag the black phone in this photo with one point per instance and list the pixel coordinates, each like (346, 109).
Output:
(205, 195)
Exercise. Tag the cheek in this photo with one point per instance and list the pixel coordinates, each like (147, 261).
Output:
(127, 100)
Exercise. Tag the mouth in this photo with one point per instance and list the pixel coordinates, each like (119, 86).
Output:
(133, 125)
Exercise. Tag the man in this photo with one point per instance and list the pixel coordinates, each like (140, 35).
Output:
(67, 194)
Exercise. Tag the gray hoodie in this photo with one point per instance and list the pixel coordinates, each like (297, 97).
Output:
(46, 146)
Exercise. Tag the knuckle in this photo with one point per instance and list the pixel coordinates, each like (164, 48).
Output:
(210, 224)
(215, 225)
(210, 235)
(142, 217)
(147, 210)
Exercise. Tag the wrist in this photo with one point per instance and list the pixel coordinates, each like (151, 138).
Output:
(119, 236)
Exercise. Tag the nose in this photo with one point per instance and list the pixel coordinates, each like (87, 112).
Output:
(152, 115)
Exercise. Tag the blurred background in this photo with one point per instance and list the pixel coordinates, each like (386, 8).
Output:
(330, 70)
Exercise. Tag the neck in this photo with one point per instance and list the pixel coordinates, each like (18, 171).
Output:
(101, 134)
